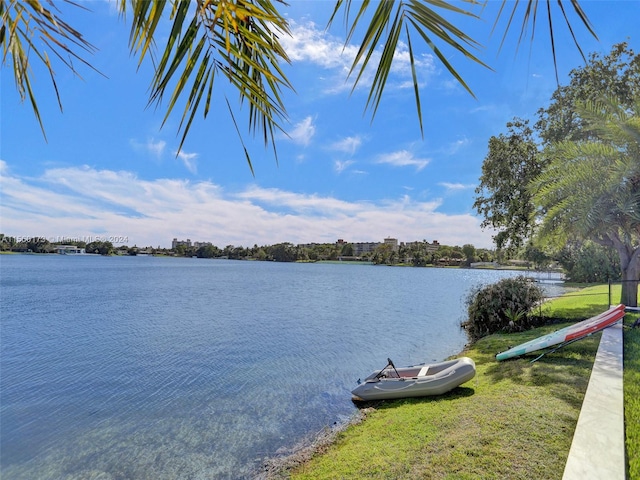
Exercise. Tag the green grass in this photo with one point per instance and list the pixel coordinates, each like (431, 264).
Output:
(514, 420)
(632, 397)
(582, 304)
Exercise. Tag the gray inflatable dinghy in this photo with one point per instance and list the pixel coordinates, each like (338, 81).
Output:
(415, 381)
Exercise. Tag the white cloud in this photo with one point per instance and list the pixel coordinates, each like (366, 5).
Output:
(490, 108)
(189, 160)
(456, 187)
(402, 63)
(152, 146)
(403, 158)
(296, 202)
(458, 145)
(341, 165)
(303, 132)
(114, 6)
(347, 145)
(452, 86)
(308, 43)
(73, 202)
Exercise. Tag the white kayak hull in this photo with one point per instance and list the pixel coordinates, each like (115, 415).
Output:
(415, 381)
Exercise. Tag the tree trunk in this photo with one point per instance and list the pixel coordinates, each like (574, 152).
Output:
(629, 296)
(630, 265)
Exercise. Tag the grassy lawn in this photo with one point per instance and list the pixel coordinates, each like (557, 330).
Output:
(632, 398)
(514, 420)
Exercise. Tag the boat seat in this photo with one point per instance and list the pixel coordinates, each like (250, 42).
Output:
(423, 371)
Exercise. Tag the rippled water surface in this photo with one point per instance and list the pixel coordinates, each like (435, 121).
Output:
(172, 368)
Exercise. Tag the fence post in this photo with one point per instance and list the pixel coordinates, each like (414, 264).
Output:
(609, 294)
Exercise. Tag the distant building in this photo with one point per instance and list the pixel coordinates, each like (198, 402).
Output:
(430, 247)
(69, 250)
(176, 243)
(202, 244)
(187, 243)
(392, 242)
(364, 247)
(308, 245)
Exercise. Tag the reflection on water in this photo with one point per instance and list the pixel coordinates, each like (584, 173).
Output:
(162, 368)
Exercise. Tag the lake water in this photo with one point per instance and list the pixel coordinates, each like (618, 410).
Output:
(173, 368)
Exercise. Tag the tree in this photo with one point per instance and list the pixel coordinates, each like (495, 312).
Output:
(260, 254)
(457, 255)
(384, 255)
(208, 251)
(503, 198)
(616, 74)
(419, 259)
(536, 255)
(347, 250)
(38, 245)
(591, 189)
(469, 252)
(7, 243)
(282, 252)
(238, 40)
(103, 248)
(588, 262)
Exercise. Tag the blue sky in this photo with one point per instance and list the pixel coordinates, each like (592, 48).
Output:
(107, 169)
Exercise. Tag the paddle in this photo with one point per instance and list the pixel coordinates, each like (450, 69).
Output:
(393, 366)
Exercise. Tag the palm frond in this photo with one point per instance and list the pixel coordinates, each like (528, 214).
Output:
(237, 39)
(389, 19)
(592, 188)
(35, 27)
(529, 18)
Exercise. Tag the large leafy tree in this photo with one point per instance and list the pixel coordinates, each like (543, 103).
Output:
(238, 40)
(591, 188)
(502, 197)
(616, 74)
(589, 262)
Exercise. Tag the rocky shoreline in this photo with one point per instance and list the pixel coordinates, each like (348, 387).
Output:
(277, 467)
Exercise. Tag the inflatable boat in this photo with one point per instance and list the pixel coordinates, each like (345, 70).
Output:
(414, 381)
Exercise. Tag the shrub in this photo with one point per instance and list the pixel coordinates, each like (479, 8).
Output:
(588, 262)
(505, 306)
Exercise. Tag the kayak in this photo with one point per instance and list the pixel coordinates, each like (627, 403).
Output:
(568, 334)
(415, 381)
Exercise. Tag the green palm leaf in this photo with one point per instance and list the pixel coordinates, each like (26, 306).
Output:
(422, 17)
(27, 20)
(529, 18)
(236, 39)
(239, 39)
(387, 22)
(591, 189)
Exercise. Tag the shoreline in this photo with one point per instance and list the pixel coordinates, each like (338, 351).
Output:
(545, 397)
(277, 467)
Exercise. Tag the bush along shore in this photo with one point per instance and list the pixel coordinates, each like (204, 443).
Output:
(514, 420)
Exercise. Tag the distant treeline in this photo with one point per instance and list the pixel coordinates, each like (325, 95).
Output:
(582, 262)
(417, 253)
